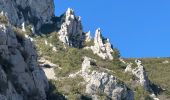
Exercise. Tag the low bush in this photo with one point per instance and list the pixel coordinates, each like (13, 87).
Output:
(71, 87)
(3, 19)
(19, 34)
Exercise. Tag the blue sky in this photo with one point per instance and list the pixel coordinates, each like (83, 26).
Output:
(138, 28)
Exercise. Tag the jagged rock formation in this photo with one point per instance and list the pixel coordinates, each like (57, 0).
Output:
(20, 76)
(140, 73)
(101, 82)
(102, 47)
(71, 30)
(87, 37)
(36, 12)
(142, 78)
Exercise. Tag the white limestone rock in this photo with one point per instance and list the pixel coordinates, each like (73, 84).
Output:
(101, 82)
(129, 68)
(102, 48)
(140, 73)
(23, 27)
(165, 62)
(87, 37)
(71, 30)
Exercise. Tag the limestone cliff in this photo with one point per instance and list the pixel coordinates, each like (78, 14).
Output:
(22, 77)
(65, 53)
(36, 12)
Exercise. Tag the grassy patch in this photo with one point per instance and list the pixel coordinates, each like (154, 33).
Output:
(71, 87)
(141, 94)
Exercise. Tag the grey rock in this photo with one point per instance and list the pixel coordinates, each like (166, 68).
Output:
(71, 30)
(101, 82)
(18, 60)
(35, 12)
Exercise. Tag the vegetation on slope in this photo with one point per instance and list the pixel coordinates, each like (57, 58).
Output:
(70, 60)
(158, 72)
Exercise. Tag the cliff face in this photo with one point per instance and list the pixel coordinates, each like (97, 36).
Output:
(65, 53)
(21, 78)
(36, 12)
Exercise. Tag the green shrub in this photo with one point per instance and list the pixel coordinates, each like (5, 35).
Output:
(19, 34)
(28, 30)
(116, 54)
(3, 19)
(141, 94)
(88, 44)
(53, 93)
(71, 87)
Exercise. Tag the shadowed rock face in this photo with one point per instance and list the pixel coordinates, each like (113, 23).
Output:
(20, 76)
(36, 12)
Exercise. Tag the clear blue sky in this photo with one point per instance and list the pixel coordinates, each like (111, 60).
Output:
(138, 28)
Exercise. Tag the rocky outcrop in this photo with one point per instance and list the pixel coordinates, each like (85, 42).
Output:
(102, 47)
(36, 12)
(71, 30)
(141, 78)
(103, 83)
(87, 37)
(140, 73)
(20, 76)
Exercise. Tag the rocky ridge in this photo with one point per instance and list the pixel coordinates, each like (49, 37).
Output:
(102, 47)
(71, 30)
(21, 75)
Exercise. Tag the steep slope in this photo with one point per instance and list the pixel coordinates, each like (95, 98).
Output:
(105, 80)
(35, 12)
(78, 67)
(20, 76)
